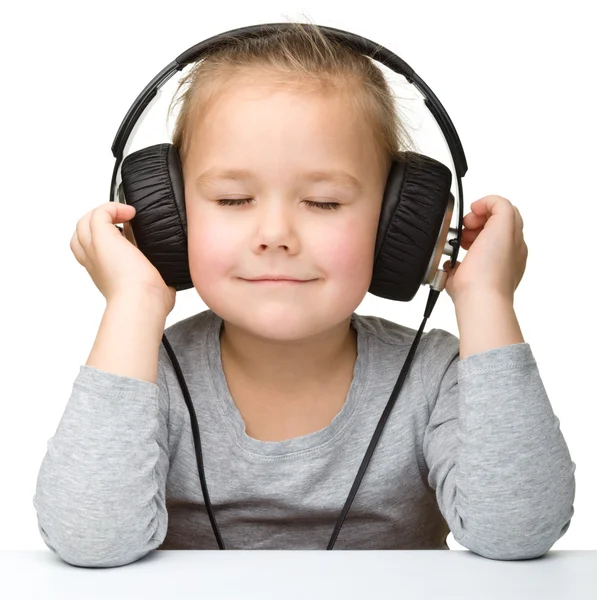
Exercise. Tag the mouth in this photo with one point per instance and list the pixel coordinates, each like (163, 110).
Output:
(277, 281)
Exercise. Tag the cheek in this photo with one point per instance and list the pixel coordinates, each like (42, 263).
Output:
(345, 257)
(212, 251)
(347, 251)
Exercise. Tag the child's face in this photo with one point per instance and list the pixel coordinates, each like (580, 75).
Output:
(278, 135)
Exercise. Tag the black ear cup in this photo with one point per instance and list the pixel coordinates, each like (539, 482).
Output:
(152, 182)
(414, 218)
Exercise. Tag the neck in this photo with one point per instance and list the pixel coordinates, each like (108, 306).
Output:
(288, 369)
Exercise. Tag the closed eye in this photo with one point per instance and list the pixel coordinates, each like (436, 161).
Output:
(238, 202)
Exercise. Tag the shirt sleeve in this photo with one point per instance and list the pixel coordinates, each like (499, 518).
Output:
(498, 462)
(100, 492)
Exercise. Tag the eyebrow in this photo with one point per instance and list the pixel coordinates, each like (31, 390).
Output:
(333, 175)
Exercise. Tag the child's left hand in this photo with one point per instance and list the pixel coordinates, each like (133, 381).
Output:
(498, 253)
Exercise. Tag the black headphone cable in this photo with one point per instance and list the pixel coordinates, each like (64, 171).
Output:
(433, 295)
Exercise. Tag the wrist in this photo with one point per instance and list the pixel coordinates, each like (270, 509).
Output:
(476, 295)
(486, 319)
(146, 303)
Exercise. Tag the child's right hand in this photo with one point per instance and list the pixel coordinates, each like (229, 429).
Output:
(116, 266)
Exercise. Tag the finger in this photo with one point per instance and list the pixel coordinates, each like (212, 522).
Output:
(518, 218)
(473, 221)
(128, 233)
(465, 244)
(446, 266)
(478, 215)
(77, 249)
(110, 213)
(83, 232)
(489, 205)
(470, 234)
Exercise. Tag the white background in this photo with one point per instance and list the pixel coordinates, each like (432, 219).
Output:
(516, 79)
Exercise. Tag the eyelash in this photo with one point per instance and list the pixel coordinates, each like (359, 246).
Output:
(237, 202)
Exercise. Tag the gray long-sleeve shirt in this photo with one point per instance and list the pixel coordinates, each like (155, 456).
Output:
(471, 446)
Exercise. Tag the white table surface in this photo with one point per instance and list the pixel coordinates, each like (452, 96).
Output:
(309, 574)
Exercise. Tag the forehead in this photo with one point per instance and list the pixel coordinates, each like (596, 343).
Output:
(249, 116)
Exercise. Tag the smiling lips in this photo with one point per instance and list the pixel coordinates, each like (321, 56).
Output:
(277, 279)
(272, 277)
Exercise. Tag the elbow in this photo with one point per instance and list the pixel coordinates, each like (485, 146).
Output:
(101, 560)
(105, 551)
(101, 542)
(522, 529)
(518, 543)
(96, 557)
(510, 550)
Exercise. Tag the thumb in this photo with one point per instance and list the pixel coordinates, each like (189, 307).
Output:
(121, 212)
(115, 212)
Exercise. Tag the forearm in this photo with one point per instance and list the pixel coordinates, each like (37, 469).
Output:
(485, 321)
(100, 492)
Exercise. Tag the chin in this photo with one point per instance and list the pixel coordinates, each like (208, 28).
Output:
(278, 320)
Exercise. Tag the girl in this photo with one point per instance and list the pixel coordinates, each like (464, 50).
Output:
(285, 144)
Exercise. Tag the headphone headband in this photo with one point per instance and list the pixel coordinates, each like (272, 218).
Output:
(354, 41)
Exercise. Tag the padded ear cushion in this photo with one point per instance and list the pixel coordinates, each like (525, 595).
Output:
(153, 183)
(416, 198)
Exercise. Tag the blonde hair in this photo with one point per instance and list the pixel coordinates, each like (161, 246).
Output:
(301, 55)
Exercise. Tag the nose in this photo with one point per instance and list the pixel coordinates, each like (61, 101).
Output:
(276, 226)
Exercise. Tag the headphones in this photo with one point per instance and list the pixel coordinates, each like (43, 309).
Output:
(412, 233)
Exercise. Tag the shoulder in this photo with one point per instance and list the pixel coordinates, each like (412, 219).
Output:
(187, 338)
(191, 329)
(441, 346)
(435, 342)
